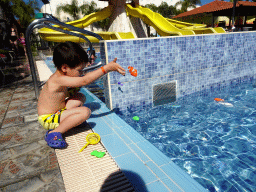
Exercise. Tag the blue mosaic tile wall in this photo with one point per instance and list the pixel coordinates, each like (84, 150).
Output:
(196, 62)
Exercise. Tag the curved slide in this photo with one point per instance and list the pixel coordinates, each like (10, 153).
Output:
(184, 25)
(52, 35)
(161, 25)
(91, 18)
(167, 27)
(56, 36)
(197, 28)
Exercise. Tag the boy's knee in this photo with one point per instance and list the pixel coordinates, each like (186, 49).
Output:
(86, 112)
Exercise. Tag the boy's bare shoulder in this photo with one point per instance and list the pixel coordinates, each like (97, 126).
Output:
(53, 83)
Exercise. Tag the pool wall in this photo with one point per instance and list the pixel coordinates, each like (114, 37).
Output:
(202, 62)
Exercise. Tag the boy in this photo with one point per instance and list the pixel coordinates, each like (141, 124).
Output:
(58, 112)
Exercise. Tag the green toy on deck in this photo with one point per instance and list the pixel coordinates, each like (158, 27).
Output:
(98, 154)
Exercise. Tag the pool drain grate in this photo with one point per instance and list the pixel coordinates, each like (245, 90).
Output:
(164, 93)
(83, 172)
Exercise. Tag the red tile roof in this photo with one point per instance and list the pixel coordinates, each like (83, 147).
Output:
(215, 6)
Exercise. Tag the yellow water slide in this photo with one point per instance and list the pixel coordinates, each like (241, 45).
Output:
(91, 18)
(161, 25)
(185, 25)
(166, 27)
(197, 28)
(56, 36)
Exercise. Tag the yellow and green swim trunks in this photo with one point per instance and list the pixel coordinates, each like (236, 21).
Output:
(51, 121)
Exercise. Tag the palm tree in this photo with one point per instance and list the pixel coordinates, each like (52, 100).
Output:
(104, 24)
(18, 9)
(72, 9)
(152, 7)
(86, 8)
(185, 4)
(165, 10)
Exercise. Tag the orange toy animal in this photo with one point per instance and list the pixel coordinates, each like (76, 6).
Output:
(218, 99)
(133, 71)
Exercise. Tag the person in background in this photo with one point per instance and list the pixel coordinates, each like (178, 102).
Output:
(23, 43)
(13, 40)
(254, 25)
(93, 56)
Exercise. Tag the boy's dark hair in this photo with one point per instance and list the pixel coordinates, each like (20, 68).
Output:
(69, 53)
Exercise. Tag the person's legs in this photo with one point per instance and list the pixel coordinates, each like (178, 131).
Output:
(75, 113)
(71, 118)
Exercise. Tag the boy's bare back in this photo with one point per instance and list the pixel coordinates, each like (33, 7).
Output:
(52, 96)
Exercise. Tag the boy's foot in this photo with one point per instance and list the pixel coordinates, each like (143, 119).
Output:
(55, 140)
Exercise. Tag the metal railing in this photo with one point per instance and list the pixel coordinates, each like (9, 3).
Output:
(46, 23)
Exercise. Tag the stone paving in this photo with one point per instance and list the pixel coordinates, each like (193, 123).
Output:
(26, 162)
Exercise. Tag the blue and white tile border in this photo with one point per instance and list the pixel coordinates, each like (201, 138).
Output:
(195, 62)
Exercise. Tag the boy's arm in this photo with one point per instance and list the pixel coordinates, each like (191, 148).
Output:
(91, 76)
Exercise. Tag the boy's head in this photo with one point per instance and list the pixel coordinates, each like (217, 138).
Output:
(69, 53)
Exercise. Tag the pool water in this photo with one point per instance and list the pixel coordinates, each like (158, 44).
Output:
(214, 143)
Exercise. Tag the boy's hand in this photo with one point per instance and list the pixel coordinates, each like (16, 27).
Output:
(113, 66)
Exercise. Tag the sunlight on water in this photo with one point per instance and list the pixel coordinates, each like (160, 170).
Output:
(213, 142)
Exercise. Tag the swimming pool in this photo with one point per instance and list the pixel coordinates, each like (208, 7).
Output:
(214, 143)
(192, 63)
(144, 165)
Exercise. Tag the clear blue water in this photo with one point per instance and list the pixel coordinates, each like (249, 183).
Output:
(214, 143)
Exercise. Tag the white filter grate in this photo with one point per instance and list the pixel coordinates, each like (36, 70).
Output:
(83, 172)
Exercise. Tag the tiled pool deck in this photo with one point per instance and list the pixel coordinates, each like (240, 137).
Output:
(26, 162)
(142, 163)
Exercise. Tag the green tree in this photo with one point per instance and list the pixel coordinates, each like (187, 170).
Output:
(104, 24)
(185, 4)
(86, 8)
(152, 7)
(165, 10)
(72, 9)
(19, 10)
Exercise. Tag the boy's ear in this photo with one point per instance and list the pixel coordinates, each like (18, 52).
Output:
(64, 68)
